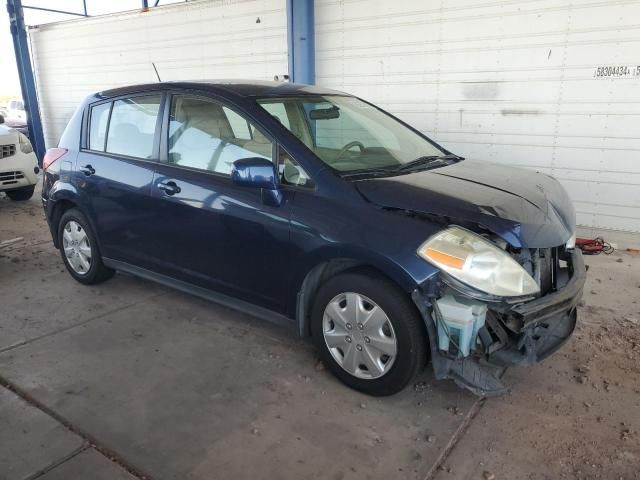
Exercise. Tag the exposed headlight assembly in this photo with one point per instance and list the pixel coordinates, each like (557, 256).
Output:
(478, 263)
(25, 144)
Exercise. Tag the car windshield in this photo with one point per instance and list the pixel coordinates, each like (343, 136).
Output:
(351, 135)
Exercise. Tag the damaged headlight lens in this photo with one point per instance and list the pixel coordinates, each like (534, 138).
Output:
(477, 262)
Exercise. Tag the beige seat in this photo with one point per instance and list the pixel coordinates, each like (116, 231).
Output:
(259, 144)
(206, 116)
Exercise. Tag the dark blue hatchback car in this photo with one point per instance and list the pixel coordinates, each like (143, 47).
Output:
(317, 209)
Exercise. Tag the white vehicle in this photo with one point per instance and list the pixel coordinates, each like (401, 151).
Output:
(15, 112)
(18, 164)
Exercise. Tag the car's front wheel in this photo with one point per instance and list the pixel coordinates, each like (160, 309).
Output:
(79, 249)
(21, 194)
(368, 332)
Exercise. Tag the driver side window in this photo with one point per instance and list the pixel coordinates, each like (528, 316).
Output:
(206, 135)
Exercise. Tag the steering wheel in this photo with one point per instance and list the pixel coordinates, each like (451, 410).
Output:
(347, 147)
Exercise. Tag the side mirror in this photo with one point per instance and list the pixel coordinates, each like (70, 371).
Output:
(258, 172)
(254, 172)
(1, 119)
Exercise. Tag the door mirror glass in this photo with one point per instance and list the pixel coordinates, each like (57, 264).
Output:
(254, 172)
(1, 119)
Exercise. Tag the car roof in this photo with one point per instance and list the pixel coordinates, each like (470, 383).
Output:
(238, 88)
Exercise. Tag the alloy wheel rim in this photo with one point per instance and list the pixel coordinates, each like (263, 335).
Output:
(359, 335)
(77, 248)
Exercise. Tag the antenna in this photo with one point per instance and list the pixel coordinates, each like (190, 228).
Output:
(157, 74)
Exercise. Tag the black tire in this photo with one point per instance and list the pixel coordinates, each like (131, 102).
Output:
(21, 194)
(411, 338)
(97, 272)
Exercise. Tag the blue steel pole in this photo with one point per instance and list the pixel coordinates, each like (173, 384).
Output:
(301, 42)
(25, 72)
(65, 12)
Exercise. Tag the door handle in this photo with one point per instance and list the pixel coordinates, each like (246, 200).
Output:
(169, 188)
(88, 170)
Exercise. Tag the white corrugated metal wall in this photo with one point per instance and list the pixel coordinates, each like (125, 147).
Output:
(513, 81)
(195, 40)
(519, 82)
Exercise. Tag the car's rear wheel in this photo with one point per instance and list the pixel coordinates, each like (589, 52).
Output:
(79, 249)
(368, 332)
(21, 194)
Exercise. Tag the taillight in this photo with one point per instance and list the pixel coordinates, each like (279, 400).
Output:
(52, 155)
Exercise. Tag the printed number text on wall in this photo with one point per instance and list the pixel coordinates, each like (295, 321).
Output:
(617, 71)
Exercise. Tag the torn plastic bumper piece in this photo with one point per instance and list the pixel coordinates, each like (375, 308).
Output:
(467, 372)
(536, 342)
(478, 377)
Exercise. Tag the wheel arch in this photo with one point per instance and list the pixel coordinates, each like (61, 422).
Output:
(63, 197)
(327, 266)
(57, 210)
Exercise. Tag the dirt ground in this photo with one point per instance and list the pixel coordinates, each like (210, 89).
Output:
(576, 415)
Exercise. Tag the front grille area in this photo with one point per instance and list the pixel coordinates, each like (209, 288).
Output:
(7, 150)
(545, 265)
(541, 264)
(9, 178)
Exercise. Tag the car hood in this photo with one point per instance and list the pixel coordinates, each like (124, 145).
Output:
(524, 207)
(8, 135)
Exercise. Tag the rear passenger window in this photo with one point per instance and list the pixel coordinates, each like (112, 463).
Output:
(98, 126)
(133, 126)
(206, 135)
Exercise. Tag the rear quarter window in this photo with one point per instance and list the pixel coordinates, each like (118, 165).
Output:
(98, 126)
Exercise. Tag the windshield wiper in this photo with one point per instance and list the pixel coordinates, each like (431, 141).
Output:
(426, 160)
(369, 172)
(431, 160)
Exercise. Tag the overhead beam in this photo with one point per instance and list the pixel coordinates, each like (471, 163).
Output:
(301, 41)
(65, 12)
(25, 72)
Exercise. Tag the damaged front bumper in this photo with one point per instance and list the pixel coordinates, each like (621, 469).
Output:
(546, 323)
(518, 334)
